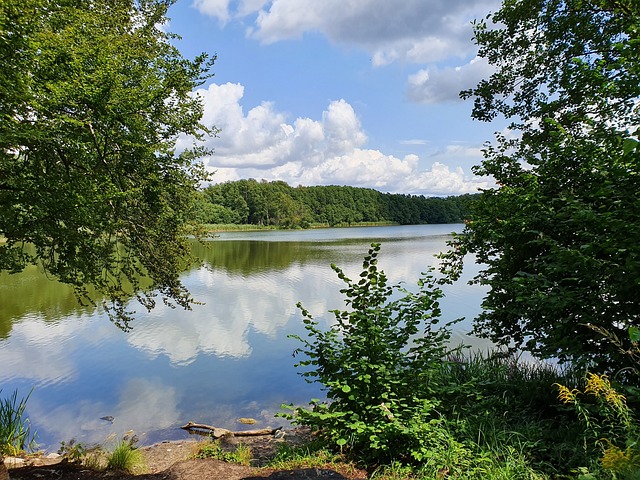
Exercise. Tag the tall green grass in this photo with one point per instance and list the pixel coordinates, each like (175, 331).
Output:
(126, 458)
(507, 408)
(15, 429)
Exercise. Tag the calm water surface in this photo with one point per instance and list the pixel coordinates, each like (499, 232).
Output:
(228, 358)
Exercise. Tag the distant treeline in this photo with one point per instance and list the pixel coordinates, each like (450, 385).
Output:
(277, 203)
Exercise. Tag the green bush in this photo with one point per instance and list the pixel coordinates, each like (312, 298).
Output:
(15, 429)
(377, 365)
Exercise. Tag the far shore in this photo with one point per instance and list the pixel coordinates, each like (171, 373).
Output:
(233, 227)
(246, 227)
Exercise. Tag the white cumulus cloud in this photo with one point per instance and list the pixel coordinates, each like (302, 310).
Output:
(412, 30)
(214, 8)
(435, 85)
(264, 144)
(422, 32)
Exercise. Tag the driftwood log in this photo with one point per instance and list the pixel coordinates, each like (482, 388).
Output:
(222, 432)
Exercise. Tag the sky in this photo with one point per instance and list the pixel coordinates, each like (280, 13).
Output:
(341, 92)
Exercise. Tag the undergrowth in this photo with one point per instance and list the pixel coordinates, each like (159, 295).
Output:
(402, 403)
(93, 457)
(242, 454)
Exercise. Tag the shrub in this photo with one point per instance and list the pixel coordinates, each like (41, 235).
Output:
(376, 364)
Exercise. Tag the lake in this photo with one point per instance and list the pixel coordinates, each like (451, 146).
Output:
(227, 358)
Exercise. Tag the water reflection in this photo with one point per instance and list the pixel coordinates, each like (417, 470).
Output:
(45, 352)
(32, 294)
(236, 306)
(229, 357)
(142, 405)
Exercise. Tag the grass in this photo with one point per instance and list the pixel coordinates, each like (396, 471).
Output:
(312, 455)
(507, 412)
(242, 454)
(15, 429)
(506, 464)
(126, 458)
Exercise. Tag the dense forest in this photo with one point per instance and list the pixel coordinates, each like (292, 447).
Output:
(278, 204)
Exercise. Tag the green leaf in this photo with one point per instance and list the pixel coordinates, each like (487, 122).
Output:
(629, 145)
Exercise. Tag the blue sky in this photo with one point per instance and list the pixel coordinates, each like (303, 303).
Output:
(341, 92)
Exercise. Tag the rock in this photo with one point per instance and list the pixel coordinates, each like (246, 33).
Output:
(303, 474)
(49, 459)
(14, 462)
(32, 461)
(247, 421)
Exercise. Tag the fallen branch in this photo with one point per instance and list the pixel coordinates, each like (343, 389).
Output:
(221, 432)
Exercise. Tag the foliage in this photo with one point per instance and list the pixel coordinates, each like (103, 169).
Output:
(15, 429)
(629, 349)
(125, 457)
(312, 455)
(559, 235)
(276, 203)
(92, 102)
(375, 364)
(212, 449)
(610, 423)
(72, 450)
(404, 405)
(77, 452)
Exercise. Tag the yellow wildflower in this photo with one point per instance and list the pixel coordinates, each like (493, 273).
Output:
(596, 384)
(565, 395)
(599, 386)
(620, 461)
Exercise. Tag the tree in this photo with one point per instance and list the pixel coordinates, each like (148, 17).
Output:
(560, 234)
(93, 97)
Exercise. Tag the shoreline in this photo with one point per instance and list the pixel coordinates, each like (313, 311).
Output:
(163, 455)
